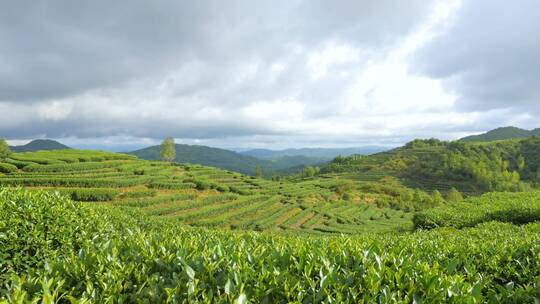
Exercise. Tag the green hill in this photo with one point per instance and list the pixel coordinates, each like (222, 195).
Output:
(504, 133)
(39, 144)
(230, 160)
(471, 167)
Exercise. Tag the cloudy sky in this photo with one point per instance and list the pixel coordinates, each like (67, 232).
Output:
(266, 74)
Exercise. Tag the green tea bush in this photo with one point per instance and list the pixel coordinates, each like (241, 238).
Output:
(145, 202)
(72, 167)
(222, 188)
(54, 250)
(72, 182)
(201, 184)
(517, 208)
(139, 171)
(219, 198)
(68, 159)
(7, 168)
(171, 185)
(139, 193)
(18, 163)
(34, 159)
(239, 190)
(38, 226)
(89, 194)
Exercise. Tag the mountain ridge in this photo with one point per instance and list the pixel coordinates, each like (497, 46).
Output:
(229, 160)
(502, 133)
(39, 144)
(323, 153)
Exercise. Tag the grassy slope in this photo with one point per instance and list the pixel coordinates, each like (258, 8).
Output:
(504, 133)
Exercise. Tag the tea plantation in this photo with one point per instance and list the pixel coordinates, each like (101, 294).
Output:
(97, 227)
(202, 196)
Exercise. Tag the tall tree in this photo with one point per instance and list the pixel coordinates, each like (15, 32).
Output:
(258, 172)
(168, 150)
(454, 196)
(437, 198)
(4, 149)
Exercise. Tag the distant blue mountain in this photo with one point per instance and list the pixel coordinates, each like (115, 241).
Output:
(321, 153)
(39, 144)
(502, 134)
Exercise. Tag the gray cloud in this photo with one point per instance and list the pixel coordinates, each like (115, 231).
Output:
(184, 68)
(61, 48)
(490, 56)
(235, 73)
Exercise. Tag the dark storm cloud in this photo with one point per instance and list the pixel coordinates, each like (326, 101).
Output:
(490, 56)
(189, 69)
(56, 49)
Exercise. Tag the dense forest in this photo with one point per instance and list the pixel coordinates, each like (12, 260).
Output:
(510, 165)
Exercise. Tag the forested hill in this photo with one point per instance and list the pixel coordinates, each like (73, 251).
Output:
(39, 144)
(432, 164)
(502, 134)
(230, 160)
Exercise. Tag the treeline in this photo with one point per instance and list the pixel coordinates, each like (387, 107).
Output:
(500, 166)
(512, 165)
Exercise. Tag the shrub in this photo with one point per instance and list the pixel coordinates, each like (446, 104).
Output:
(171, 185)
(239, 190)
(37, 160)
(203, 185)
(89, 194)
(139, 193)
(139, 171)
(72, 167)
(454, 196)
(72, 182)
(222, 188)
(517, 208)
(7, 168)
(38, 226)
(5, 152)
(19, 163)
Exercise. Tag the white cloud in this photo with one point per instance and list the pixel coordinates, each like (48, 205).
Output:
(54, 110)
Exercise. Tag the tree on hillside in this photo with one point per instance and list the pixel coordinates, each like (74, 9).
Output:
(310, 171)
(454, 196)
(343, 187)
(168, 150)
(521, 163)
(437, 198)
(258, 172)
(4, 149)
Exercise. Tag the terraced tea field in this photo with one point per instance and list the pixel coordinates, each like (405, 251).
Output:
(201, 196)
(54, 250)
